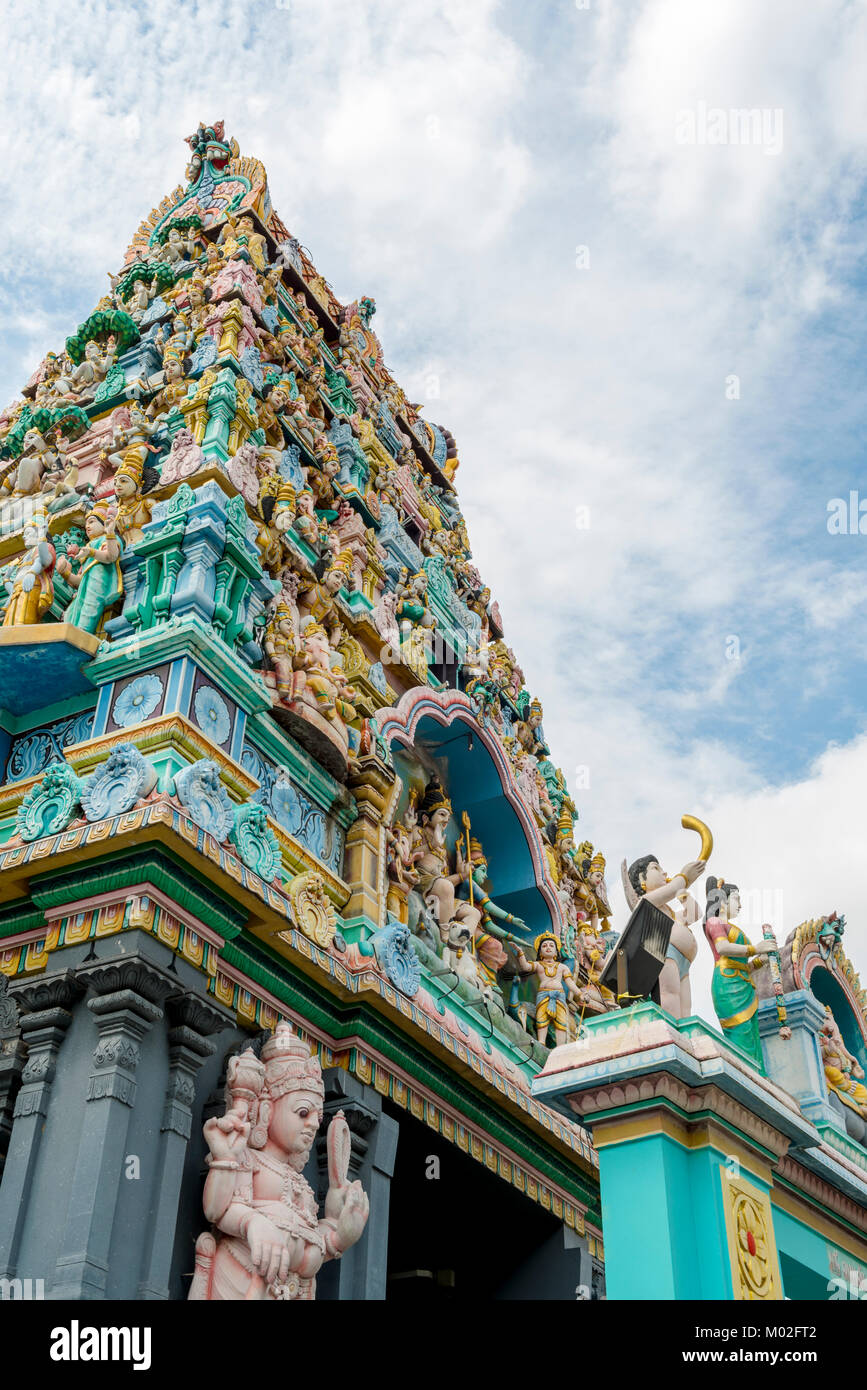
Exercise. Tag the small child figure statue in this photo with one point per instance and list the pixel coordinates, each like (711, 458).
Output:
(554, 982)
(267, 1241)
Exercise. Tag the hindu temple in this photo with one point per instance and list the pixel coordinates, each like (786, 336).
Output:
(303, 961)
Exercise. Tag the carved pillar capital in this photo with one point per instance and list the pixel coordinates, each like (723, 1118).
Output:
(191, 1022)
(132, 976)
(370, 780)
(45, 1013)
(125, 1004)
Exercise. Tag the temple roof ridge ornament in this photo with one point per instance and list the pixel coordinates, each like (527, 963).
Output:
(219, 180)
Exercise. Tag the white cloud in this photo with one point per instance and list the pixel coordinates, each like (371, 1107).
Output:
(448, 158)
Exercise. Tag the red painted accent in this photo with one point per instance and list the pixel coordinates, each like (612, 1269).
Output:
(751, 1243)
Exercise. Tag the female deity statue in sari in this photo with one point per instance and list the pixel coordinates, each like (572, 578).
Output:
(732, 990)
(98, 580)
(267, 1241)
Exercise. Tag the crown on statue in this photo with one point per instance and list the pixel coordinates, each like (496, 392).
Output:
(434, 798)
(132, 467)
(289, 1065)
(39, 520)
(102, 510)
(546, 936)
(597, 864)
(343, 562)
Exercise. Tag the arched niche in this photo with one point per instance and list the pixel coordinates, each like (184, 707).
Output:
(441, 729)
(828, 990)
(813, 958)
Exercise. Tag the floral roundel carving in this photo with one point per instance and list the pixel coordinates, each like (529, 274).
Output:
(137, 700)
(212, 714)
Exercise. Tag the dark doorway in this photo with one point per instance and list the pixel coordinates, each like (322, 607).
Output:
(457, 1230)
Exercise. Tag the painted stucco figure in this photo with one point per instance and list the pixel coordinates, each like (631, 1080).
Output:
(646, 878)
(735, 959)
(97, 580)
(843, 1072)
(555, 986)
(29, 580)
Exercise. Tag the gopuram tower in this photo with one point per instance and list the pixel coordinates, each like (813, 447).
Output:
(278, 821)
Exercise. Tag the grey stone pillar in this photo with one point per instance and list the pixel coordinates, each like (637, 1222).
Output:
(45, 1007)
(13, 1055)
(126, 1004)
(191, 1020)
(361, 1273)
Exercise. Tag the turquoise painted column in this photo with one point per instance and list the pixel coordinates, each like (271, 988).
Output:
(667, 1240)
(688, 1135)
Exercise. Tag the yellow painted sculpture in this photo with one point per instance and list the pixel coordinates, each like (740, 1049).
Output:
(843, 1072)
(555, 985)
(29, 583)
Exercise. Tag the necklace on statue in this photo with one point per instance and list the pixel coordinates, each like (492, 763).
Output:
(283, 1170)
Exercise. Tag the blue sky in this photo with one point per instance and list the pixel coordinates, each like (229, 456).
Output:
(449, 159)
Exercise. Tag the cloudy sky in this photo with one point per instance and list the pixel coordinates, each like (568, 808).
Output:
(641, 318)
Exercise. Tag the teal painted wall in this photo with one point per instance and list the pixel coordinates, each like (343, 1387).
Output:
(665, 1234)
(663, 1220)
(809, 1261)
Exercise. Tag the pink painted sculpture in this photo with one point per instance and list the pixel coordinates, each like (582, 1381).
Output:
(183, 460)
(266, 1240)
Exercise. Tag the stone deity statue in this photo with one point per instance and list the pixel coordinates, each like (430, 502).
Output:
(98, 580)
(29, 581)
(267, 1241)
(843, 1072)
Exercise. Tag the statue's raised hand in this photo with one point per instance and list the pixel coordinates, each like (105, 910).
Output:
(353, 1216)
(226, 1137)
(691, 871)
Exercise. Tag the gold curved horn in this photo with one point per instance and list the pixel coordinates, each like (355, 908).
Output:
(693, 823)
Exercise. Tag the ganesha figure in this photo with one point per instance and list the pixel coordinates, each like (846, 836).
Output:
(267, 1241)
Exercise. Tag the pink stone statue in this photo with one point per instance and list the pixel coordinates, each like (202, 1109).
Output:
(266, 1240)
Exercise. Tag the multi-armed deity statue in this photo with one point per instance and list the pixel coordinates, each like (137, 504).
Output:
(267, 1240)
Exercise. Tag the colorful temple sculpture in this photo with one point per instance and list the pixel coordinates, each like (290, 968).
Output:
(302, 963)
